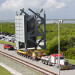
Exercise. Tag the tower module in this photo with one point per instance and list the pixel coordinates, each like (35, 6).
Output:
(28, 28)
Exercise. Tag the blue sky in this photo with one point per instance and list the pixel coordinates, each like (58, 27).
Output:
(55, 9)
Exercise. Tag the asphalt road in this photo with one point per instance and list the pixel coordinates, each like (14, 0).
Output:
(38, 63)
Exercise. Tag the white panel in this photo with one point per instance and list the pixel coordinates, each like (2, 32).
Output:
(17, 32)
(21, 32)
(19, 28)
(21, 36)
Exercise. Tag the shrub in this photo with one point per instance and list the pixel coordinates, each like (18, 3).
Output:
(52, 46)
(8, 27)
(70, 53)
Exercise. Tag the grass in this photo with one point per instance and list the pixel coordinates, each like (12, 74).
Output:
(4, 71)
(4, 42)
(72, 61)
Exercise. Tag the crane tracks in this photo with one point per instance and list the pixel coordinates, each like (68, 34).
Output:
(26, 63)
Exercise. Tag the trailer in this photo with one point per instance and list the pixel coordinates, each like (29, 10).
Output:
(21, 52)
(53, 60)
(31, 53)
(37, 54)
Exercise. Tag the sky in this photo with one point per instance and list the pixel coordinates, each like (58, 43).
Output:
(54, 9)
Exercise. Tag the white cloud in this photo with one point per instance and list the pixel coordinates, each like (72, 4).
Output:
(12, 4)
(53, 4)
(46, 4)
(61, 5)
(17, 4)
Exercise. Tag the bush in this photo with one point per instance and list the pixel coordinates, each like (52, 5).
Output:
(8, 27)
(52, 46)
(70, 53)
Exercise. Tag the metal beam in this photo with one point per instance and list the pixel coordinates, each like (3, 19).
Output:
(36, 14)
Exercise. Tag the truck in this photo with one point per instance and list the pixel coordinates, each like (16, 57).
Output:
(53, 60)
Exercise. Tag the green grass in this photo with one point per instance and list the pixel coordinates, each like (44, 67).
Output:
(4, 71)
(4, 42)
(72, 61)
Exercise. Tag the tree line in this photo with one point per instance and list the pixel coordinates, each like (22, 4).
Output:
(67, 37)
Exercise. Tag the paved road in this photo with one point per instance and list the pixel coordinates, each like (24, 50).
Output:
(38, 63)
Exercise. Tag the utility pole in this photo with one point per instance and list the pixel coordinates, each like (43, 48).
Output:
(59, 47)
(60, 21)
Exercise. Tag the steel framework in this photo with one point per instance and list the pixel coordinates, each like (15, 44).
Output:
(35, 26)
